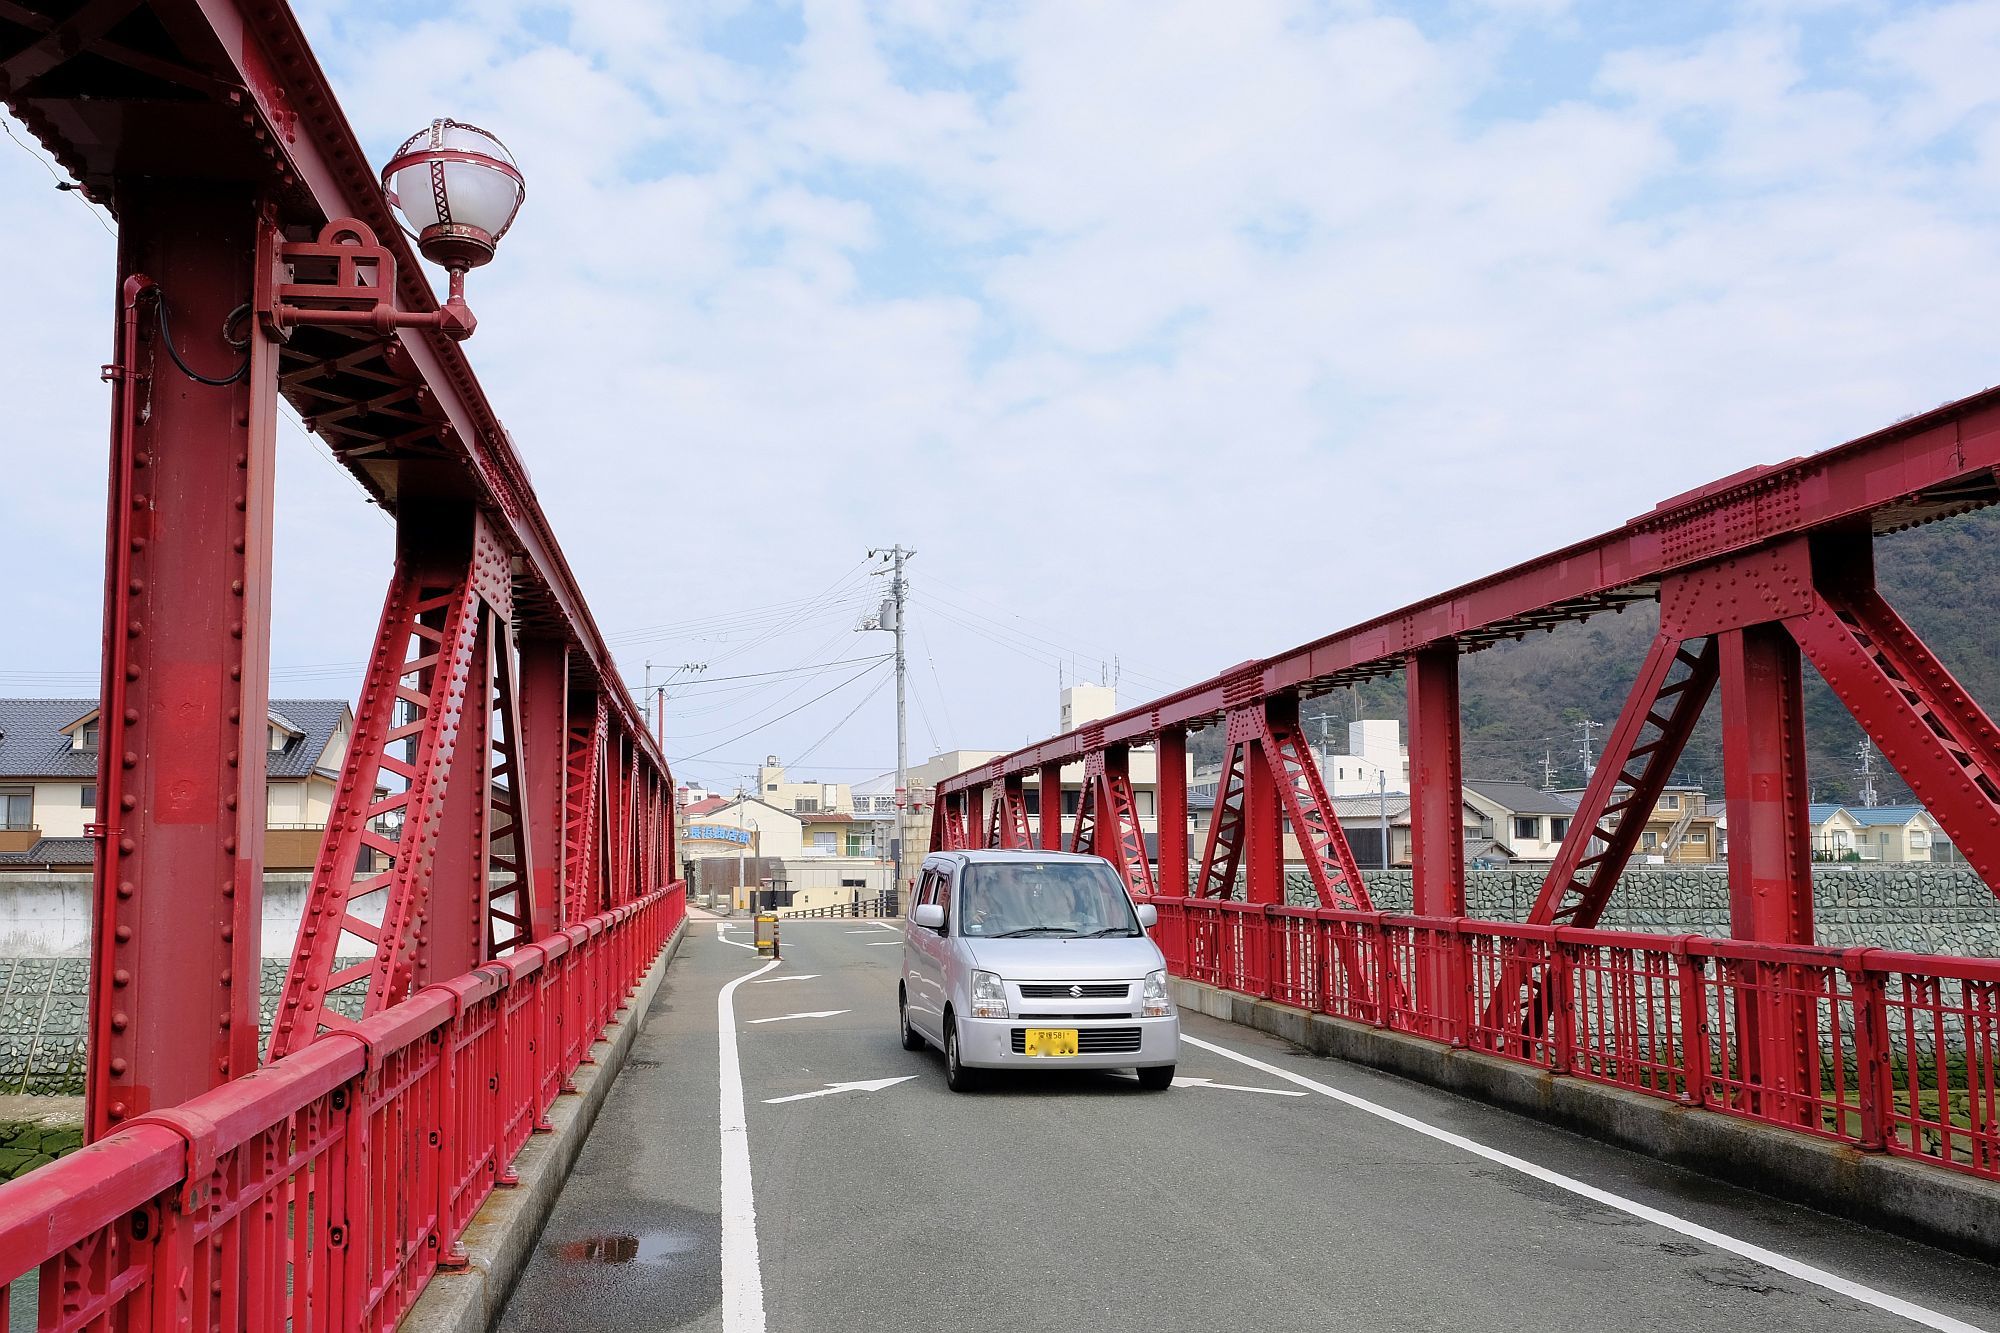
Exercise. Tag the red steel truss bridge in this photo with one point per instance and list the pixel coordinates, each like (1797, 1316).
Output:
(498, 870)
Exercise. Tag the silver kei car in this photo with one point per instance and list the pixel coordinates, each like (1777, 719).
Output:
(1034, 960)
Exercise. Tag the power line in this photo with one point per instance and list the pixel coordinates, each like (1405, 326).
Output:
(807, 752)
(1069, 648)
(780, 718)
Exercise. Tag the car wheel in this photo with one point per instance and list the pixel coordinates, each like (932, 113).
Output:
(956, 1076)
(1157, 1079)
(912, 1039)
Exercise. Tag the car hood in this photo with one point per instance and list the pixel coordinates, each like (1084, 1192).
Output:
(1058, 959)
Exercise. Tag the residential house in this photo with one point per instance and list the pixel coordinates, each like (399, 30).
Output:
(48, 780)
(1523, 822)
(1896, 833)
(1681, 829)
(809, 860)
(803, 798)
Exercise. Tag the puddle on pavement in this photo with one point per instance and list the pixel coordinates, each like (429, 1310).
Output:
(648, 1247)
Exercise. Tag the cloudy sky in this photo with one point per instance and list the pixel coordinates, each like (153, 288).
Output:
(1168, 334)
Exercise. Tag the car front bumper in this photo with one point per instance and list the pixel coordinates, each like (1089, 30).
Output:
(988, 1043)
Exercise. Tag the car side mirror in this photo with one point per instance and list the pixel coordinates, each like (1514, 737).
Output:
(928, 915)
(1149, 916)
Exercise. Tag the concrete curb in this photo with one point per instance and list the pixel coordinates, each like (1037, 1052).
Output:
(501, 1236)
(1927, 1203)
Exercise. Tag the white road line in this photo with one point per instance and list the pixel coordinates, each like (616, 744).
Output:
(742, 1274)
(884, 944)
(1805, 1272)
(861, 932)
(722, 926)
(816, 1013)
(1234, 1087)
(802, 976)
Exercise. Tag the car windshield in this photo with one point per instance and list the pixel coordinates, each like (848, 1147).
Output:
(1051, 899)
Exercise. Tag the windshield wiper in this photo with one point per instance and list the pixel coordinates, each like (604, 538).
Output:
(1033, 930)
(1108, 930)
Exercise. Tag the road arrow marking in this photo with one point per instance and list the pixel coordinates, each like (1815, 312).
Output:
(864, 1085)
(816, 1013)
(1233, 1087)
(883, 944)
(803, 976)
(721, 927)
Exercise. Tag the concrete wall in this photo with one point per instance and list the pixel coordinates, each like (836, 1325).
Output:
(1921, 909)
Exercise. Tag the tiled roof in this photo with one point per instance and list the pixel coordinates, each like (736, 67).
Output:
(1820, 813)
(1521, 798)
(53, 852)
(705, 805)
(1871, 817)
(32, 744)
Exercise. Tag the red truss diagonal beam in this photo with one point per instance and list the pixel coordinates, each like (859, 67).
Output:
(583, 894)
(1673, 686)
(512, 909)
(1083, 835)
(373, 877)
(1927, 726)
(1336, 878)
(1223, 853)
(995, 825)
(1012, 812)
(1119, 813)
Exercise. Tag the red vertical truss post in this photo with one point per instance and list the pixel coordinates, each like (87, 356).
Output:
(178, 887)
(1437, 789)
(1770, 862)
(1048, 828)
(1170, 813)
(450, 934)
(996, 819)
(973, 827)
(1263, 828)
(1012, 811)
(516, 911)
(1083, 832)
(1437, 825)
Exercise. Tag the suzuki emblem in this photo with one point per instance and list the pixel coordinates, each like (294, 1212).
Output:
(1076, 992)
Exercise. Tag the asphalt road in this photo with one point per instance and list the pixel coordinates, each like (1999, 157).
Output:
(1076, 1201)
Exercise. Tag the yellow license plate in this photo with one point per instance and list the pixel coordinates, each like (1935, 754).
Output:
(1049, 1041)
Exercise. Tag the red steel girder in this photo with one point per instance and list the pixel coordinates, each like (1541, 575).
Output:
(544, 794)
(1673, 686)
(1011, 814)
(1083, 833)
(1764, 775)
(181, 732)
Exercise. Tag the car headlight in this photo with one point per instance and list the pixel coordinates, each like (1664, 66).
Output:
(989, 996)
(1154, 1002)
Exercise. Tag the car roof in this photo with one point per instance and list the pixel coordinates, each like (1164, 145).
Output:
(981, 854)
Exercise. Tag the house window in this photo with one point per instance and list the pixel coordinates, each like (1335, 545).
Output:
(87, 798)
(823, 841)
(806, 805)
(86, 737)
(1145, 803)
(853, 883)
(1527, 829)
(770, 786)
(856, 845)
(1070, 800)
(1558, 828)
(1698, 838)
(1670, 802)
(17, 809)
(1649, 842)
(277, 740)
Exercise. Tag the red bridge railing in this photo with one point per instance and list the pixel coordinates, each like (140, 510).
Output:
(325, 1189)
(1888, 1051)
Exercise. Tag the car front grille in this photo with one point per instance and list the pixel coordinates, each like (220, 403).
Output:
(1075, 990)
(1090, 1041)
(1069, 1018)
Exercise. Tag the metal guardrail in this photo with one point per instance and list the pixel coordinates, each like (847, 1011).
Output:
(325, 1189)
(1890, 1052)
(882, 904)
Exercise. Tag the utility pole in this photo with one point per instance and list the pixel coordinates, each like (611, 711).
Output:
(898, 592)
(1382, 809)
(1588, 728)
(1867, 756)
(1549, 769)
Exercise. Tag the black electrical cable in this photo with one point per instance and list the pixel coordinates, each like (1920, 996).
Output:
(167, 337)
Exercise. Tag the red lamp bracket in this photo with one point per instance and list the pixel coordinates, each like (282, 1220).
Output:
(346, 278)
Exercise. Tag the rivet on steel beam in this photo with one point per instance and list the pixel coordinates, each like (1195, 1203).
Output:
(126, 846)
(123, 932)
(238, 545)
(129, 760)
(137, 586)
(121, 978)
(128, 801)
(132, 629)
(131, 716)
(118, 1021)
